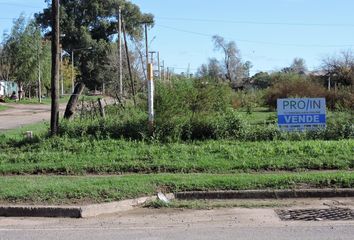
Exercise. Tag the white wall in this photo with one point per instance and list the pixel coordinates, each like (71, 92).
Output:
(2, 88)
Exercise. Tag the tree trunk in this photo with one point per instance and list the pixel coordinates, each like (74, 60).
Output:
(101, 106)
(71, 107)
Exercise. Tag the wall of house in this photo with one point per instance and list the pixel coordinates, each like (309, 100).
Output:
(7, 87)
(2, 89)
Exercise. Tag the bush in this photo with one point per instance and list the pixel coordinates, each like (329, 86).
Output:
(188, 97)
(227, 125)
(248, 99)
(292, 86)
(128, 124)
(262, 133)
(341, 99)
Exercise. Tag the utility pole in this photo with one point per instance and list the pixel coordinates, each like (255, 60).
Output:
(158, 64)
(146, 44)
(72, 71)
(152, 60)
(150, 84)
(61, 71)
(120, 52)
(39, 74)
(128, 62)
(54, 120)
(151, 98)
(164, 72)
(152, 57)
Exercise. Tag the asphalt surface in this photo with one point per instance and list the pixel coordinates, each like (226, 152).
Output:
(20, 115)
(236, 223)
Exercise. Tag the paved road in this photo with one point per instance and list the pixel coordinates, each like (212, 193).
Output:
(22, 114)
(252, 224)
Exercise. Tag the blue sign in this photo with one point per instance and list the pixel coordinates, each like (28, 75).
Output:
(299, 114)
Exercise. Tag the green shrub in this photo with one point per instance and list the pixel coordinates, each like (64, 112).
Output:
(188, 97)
(248, 99)
(129, 124)
(229, 125)
(261, 133)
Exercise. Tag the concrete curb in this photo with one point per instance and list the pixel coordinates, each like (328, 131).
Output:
(113, 207)
(267, 194)
(86, 211)
(40, 211)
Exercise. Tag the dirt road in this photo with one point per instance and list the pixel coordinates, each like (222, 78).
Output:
(23, 114)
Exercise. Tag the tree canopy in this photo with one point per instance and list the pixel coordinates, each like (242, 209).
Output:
(93, 24)
(23, 53)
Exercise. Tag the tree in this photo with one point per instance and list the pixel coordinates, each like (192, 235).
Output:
(298, 66)
(4, 65)
(93, 23)
(233, 66)
(24, 53)
(340, 69)
(67, 74)
(261, 80)
(203, 71)
(234, 69)
(110, 77)
(214, 69)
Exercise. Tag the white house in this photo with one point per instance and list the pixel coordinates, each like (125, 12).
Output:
(7, 88)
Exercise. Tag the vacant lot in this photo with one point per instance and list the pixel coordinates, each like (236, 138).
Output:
(96, 168)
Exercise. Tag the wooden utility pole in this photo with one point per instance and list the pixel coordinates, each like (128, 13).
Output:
(61, 72)
(39, 74)
(164, 72)
(54, 120)
(120, 52)
(159, 66)
(72, 71)
(128, 62)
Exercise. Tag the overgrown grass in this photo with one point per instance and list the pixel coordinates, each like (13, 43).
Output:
(213, 204)
(132, 124)
(81, 156)
(58, 190)
(15, 135)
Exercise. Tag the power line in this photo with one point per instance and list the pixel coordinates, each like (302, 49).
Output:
(259, 23)
(258, 42)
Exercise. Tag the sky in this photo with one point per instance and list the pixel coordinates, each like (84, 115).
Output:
(269, 33)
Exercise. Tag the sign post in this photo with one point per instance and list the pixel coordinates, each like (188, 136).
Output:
(300, 114)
